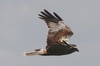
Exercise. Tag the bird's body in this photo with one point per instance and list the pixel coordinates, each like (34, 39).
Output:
(58, 36)
(59, 50)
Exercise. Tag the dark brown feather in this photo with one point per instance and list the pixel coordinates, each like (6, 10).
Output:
(48, 17)
(57, 16)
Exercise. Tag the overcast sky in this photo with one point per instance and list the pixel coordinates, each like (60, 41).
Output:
(21, 30)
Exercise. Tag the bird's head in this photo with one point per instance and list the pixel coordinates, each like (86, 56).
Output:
(74, 47)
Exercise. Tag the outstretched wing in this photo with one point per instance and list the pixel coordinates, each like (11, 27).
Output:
(58, 31)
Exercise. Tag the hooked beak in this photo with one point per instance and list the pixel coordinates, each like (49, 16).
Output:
(77, 50)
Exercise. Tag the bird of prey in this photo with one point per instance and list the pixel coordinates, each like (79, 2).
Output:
(58, 36)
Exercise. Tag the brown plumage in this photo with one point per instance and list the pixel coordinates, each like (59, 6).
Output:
(58, 36)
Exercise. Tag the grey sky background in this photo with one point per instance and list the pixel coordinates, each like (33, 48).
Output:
(21, 30)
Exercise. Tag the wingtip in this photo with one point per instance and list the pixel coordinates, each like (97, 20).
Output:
(45, 10)
(57, 16)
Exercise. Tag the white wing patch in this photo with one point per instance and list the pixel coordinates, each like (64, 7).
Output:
(52, 24)
(61, 25)
(56, 26)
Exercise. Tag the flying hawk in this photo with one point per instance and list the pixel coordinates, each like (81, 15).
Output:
(58, 36)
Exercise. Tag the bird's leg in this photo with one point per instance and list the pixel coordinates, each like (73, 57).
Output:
(66, 43)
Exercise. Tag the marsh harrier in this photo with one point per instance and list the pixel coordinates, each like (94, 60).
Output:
(58, 36)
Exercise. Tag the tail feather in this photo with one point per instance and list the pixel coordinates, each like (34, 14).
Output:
(31, 53)
(36, 52)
